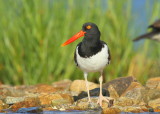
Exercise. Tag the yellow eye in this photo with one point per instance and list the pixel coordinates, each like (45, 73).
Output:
(88, 27)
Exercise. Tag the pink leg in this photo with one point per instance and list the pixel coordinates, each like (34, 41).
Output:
(87, 86)
(101, 97)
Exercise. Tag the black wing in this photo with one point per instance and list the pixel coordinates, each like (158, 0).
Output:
(75, 55)
(147, 35)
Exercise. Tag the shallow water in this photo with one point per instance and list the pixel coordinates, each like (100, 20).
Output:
(92, 112)
(140, 113)
(36, 110)
(72, 112)
(80, 112)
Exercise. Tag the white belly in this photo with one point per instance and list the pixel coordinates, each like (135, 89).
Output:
(95, 63)
(156, 37)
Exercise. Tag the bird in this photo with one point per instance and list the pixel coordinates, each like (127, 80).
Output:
(154, 34)
(91, 55)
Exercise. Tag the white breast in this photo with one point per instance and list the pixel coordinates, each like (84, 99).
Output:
(156, 37)
(95, 63)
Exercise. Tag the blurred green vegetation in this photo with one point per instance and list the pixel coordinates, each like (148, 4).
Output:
(31, 32)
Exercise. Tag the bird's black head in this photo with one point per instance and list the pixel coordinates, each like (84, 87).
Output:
(155, 25)
(90, 32)
(90, 29)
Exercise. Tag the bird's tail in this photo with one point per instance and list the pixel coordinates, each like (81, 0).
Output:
(147, 35)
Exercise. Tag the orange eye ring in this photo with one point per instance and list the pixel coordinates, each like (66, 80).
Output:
(88, 27)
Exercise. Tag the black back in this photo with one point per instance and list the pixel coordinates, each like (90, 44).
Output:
(155, 26)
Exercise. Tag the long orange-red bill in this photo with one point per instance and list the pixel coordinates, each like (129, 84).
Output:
(73, 38)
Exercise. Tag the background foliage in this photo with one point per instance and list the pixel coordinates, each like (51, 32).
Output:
(31, 32)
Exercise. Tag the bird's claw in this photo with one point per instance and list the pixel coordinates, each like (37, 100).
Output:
(102, 98)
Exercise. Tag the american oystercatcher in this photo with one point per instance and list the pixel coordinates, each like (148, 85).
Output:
(91, 55)
(154, 34)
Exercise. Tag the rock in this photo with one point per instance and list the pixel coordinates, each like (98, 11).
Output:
(12, 100)
(154, 103)
(30, 110)
(158, 87)
(3, 105)
(113, 93)
(120, 84)
(133, 109)
(124, 101)
(137, 94)
(133, 85)
(55, 99)
(151, 94)
(111, 111)
(43, 88)
(127, 101)
(64, 84)
(150, 109)
(83, 104)
(50, 108)
(93, 92)
(59, 102)
(142, 94)
(144, 108)
(13, 92)
(153, 83)
(157, 110)
(79, 86)
(28, 102)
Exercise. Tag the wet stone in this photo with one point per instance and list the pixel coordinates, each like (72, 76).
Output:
(12, 100)
(3, 105)
(93, 92)
(13, 92)
(111, 110)
(55, 99)
(28, 102)
(154, 103)
(157, 109)
(152, 94)
(64, 84)
(133, 109)
(59, 102)
(124, 101)
(83, 104)
(144, 108)
(43, 88)
(120, 84)
(50, 108)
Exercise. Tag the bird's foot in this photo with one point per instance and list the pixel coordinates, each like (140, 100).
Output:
(102, 98)
(89, 101)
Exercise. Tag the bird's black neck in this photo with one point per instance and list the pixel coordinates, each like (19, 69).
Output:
(90, 45)
(91, 40)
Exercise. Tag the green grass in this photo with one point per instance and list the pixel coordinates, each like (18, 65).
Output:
(31, 32)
